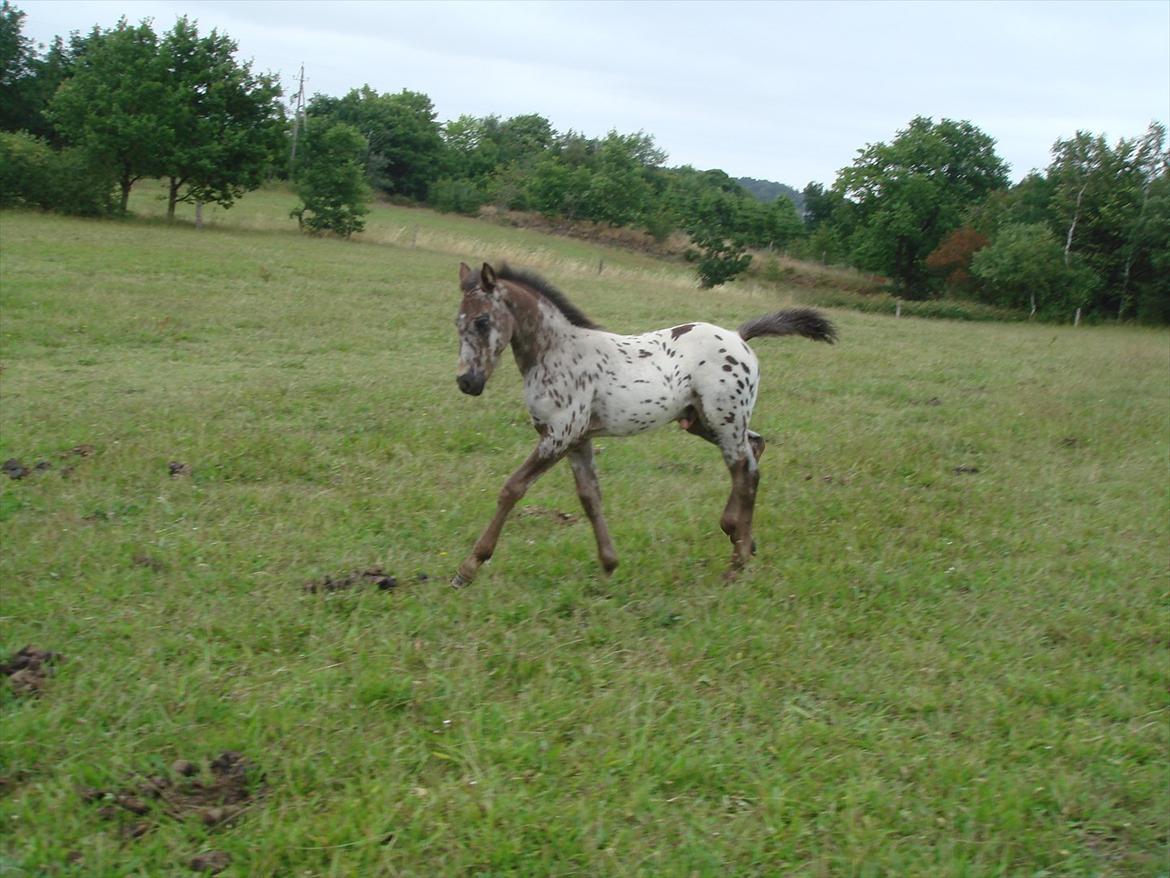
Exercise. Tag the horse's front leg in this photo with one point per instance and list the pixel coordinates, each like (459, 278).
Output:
(588, 490)
(517, 485)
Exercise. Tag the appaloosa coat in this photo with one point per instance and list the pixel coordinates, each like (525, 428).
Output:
(581, 381)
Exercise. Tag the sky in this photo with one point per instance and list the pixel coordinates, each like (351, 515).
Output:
(783, 91)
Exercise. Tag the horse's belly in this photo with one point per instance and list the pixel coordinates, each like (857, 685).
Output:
(643, 407)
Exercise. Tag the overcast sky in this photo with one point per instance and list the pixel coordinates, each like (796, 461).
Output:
(779, 91)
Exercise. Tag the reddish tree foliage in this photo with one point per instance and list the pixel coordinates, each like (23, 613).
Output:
(952, 257)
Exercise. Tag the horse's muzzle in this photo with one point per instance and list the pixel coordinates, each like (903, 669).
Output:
(472, 383)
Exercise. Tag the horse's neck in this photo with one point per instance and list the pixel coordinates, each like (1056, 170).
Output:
(541, 329)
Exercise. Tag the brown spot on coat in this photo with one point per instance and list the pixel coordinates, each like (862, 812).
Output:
(681, 330)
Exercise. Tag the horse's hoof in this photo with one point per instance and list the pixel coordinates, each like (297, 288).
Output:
(460, 581)
(753, 547)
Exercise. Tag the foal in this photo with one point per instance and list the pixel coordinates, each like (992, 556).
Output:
(581, 382)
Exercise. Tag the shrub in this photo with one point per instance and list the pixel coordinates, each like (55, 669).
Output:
(1025, 268)
(33, 174)
(455, 196)
(332, 184)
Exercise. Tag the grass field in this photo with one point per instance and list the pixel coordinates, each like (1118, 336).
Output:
(950, 657)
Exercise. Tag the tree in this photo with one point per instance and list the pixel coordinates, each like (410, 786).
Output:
(110, 106)
(17, 60)
(714, 229)
(181, 108)
(331, 183)
(405, 147)
(1100, 197)
(909, 193)
(227, 124)
(951, 259)
(28, 80)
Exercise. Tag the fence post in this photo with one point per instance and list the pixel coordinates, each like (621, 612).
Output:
(898, 308)
(1077, 319)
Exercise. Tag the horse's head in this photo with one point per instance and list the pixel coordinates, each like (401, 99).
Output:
(485, 327)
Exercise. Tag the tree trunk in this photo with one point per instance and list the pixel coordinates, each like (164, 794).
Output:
(126, 182)
(1072, 228)
(172, 198)
(198, 214)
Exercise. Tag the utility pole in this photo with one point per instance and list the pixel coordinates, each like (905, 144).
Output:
(299, 120)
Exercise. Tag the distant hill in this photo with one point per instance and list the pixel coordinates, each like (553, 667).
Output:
(767, 191)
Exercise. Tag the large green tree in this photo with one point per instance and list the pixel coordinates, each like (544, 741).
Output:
(405, 147)
(227, 124)
(113, 106)
(907, 194)
(182, 108)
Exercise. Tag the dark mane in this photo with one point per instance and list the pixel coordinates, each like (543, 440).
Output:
(539, 285)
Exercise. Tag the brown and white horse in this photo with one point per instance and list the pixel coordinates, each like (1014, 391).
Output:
(581, 382)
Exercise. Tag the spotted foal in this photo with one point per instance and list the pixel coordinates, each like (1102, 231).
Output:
(581, 382)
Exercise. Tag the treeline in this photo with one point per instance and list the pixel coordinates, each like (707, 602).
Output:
(932, 210)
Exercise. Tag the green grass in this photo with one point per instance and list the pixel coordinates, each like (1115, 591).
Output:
(925, 672)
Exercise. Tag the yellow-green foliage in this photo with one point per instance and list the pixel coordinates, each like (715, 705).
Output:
(948, 659)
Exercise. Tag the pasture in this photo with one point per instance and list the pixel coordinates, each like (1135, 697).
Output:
(949, 658)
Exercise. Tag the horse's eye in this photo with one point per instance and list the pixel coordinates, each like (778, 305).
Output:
(481, 323)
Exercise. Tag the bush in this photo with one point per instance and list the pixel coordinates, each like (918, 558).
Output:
(1025, 268)
(719, 260)
(33, 174)
(456, 196)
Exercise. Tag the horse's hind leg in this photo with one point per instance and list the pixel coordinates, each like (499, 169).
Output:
(517, 485)
(736, 520)
(757, 443)
(588, 490)
(737, 515)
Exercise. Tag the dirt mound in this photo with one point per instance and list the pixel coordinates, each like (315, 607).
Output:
(29, 669)
(371, 576)
(14, 469)
(216, 795)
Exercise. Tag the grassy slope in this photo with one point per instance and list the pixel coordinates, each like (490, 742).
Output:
(925, 672)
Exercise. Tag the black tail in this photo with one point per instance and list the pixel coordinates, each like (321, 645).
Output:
(795, 321)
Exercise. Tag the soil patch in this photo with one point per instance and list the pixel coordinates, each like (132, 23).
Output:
(211, 862)
(370, 576)
(14, 469)
(178, 468)
(28, 670)
(216, 795)
(565, 518)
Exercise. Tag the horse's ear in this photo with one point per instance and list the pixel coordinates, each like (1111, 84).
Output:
(464, 273)
(487, 278)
